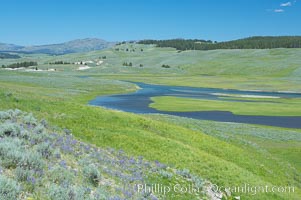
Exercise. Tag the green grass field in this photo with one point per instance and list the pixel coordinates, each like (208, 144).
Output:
(226, 154)
(265, 107)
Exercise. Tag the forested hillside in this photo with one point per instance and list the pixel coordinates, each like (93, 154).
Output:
(258, 42)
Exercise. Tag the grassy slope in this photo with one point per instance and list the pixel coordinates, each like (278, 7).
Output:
(277, 144)
(69, 166)
(276, 69)
(286, 107)
(269, 69)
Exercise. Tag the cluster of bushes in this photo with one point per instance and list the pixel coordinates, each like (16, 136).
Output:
(127, 64)
(40, 162)
(59, 63)
(165, 66)
(120, 43)
(130, 64)
(21, 64)
(127, 50)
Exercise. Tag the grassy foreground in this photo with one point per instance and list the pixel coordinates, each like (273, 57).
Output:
(207, 156)
(39, 162)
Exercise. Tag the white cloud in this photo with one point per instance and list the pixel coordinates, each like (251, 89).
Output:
(278, 10)
(286, 4)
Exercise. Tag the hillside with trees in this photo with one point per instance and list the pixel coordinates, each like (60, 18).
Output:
(179, 44)
(258, 42)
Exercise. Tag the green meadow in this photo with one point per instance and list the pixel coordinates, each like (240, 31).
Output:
(265, 107)
(226, 154)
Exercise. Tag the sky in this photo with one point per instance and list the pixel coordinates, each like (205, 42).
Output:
(34, 22)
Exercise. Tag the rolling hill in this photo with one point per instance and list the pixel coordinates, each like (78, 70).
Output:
(9, 47)
(74, 46)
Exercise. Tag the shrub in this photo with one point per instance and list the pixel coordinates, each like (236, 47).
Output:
(165, 174)
(23, 174)
(8, 94)
(67, 131)
(60, 175)
(57, 154)
(9, 129)
(29, 119)
(44, 123)
(100, 194)
(185, 173)
(198, 182)
(77, 193)
(39, 129)
(45, 149)
(38, 138)
(4, 115)
(14, 113)
(10, 152)
(32, 160)
(56, 192)
(9, 189)
(24, 134)
(92, 174)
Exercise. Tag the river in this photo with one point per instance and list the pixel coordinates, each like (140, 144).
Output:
(139, 101)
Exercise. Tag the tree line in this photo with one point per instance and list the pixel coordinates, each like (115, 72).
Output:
(127, 64)
(179, 44)
(258, 42)
(21, 64)
(130, 64)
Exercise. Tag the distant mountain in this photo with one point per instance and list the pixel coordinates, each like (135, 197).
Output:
(9, 47)
(74, 46)
(8, 56)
